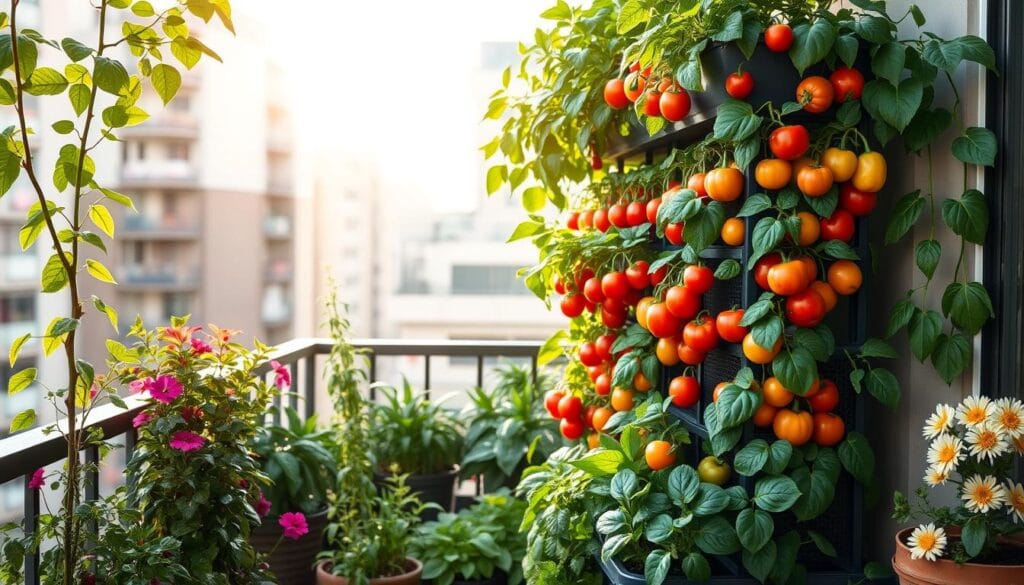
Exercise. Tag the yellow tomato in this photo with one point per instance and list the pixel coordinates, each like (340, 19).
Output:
(841, 162)
(871, 171)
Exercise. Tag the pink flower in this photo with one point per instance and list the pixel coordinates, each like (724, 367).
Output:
(93, 391)
(141, 419)
(136, 386)
(186, 441)
(262, 505)
(164, 388)
(282, 375)
(199, 347)
(294, 525)
(37, 480)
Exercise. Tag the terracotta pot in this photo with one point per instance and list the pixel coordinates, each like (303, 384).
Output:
(438, 488)
(411, 577)
(947, 572)
(293, 561)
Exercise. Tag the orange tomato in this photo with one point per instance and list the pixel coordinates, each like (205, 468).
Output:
(775, 394)
(815, 93)
(659, 455)
(810, 267)
(787, 278)
(593, 440)
(758, 354)
(666, 351)
(724, 184)
(622, 399)
(696, 183)
(600, 418)
(764, 415)
(773, 173)
(871, 172)
(810, 229)
(641, 383)
(795, 427)
(814, 181)
(826, 292)
(829, 429)
(733, 231)
(844, 277)
(718, 390)
(634, 86)
(841, 162)
(641, 310)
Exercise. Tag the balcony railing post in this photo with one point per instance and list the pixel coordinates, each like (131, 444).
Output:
(310, 385)
(426, 376)
(31, 526)
(480, 371)
(293, 396)
(92, 481)
(373, 376)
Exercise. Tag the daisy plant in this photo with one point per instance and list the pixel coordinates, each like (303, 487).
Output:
(974, 447)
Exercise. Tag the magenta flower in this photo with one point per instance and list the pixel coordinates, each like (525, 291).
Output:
(37, 480)
(136, 386)
(282, 375)
(294, 525)
(199, 347)
(262, 505)
(141, 419)
(186, 441)
(164, 388)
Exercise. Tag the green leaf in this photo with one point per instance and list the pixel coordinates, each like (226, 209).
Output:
(876, 348)
(787, 548)
(759, 564)
(109, 75)
(703, 229)
(751, 458)
(118, 198)
(776, 494)
(748, 42)
(623, 485)
(754, 204)
(731, 29)
(822, 543)
(925, 128)
(683, 485)
(736, 406)
(534, 199)
(974, 534)
(631, 15)
(728, 269)
(796, 369)
(888, 61)
(115, 116)
(10, 169)
(767, 234)
(611, 522)
(904, 216)
(896, 105)
(927, 254)
(811, 43)
(874, 570)
(101, 217)
(967, 216)
(846, 49)
(825, 205)
(900, 316)
(759, 309)
(778, 457)
(7, 96)
(601, 462)
(62, 326)
(496, 177)
(820, 347)
(16, 346)
(967, 305)
(711, 500)
(717, 537)
(976, 146)
(884, 386)
(952, 356)
(21, 380)
(525, 230)
(111, 312)
(818, 491)
(837, 249)
(23, 420)
(736, 121)
(754, 528)
(46, 81)
(746, 151)
(947, 54)
(99, 271)
(613, 545)
(857, 457)
(186, 54)
(79, 94)
(53, 276)
(875, 29)
(767, 331)
(166, 80)
(656, 566)
(143, 9)
(696, 567)
(75, 50)
(788, 198)
(64, 127)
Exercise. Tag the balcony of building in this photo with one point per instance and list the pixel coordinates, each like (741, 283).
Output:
(167, 277)
(164, 227)
(160, 173)
(18, 272)
(277, 226)
(168, 124)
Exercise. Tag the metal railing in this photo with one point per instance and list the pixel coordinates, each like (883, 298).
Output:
(23, 453)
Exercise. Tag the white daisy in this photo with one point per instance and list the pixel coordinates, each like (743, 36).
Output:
(1015, 501)
(927, 541)
(1018, 442)
(945, 453)
(974, 411)
(939, 422)
(982, 494)
(936, 477)
(1008, 417)
(985, 442)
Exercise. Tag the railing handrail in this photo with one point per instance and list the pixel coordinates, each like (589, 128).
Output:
(25, 451)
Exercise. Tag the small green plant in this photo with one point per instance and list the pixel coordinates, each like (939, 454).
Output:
(418, 435)
(508, 427)
(474, 543)
(300, 459)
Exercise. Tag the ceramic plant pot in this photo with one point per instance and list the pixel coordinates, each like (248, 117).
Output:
(414, 569)
(946, 572)
(293, 560)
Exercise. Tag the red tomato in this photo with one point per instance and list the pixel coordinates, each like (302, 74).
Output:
(847, 84)
(855, 201)
(571, 429)
(582, 276)
(612, 320)
(559, 285)
(739, 84)
(586, 219)
(684, 390)
(838, 227)
(659, 275)
(637, 275)
(675, 104)
(636, 214)
(551, 400)
(698, 279)
(688, 355)
(651, 210)
(828, 429)
(789, 142)
(661, 322)
(594, 372)
(589, 355)
(617, 215)
(601, 222)
(570, 406)
(805, 308)
(603, 344)
(652, 103)
(615, 285)
(701, 335)
(682, 302)
(728, 325)
(573, 221)
(603, 385)
(572, 305)
(615, 94)
(826, 398)
(816, 93)
(778, 37)
(762, 266)
(592, 290)
(674, 234)
(696, 183)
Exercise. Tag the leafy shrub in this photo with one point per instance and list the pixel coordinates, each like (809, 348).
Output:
(417, 435)
(300, 460)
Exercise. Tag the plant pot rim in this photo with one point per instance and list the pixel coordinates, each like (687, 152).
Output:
(439, 475)
(901, 545)
(414, 567)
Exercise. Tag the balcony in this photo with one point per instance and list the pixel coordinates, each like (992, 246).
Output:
(277, 227)
(168, 124)
(14, 329)
(147, 227)
(169, 174)
(279, 271)
(18, 271)
(138, 278)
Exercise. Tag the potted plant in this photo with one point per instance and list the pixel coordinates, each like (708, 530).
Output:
(480, 545)
(301, 462)
(370, 530)
(974, 449)
(507, 427)
(420, 438)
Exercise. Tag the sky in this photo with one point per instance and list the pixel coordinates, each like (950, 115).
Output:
(395, 83)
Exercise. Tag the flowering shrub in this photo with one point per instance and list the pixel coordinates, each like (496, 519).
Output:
(195, 478)
(974, 448)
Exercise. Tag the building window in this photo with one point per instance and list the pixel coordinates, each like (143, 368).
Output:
(177, 151)
(142, 151)
(181, 103)
(486, 280)
(177, 305)
(136, 253)
(16, 308)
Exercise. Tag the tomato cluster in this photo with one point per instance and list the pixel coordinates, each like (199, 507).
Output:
(662, 97)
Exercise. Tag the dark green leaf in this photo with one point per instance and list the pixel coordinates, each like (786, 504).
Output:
(767, 234)
(110, 75)
(746, 151)
(753, 205)
(967, 305)
(760, 563)
(876, 30)
(704, 228)
(754, 528)
(952, 356)
(967, 216)
(888, 61)
(876, 348)
(884, 386)
(736, 121)
(683, 484)
(927, 254)
(75, 50)
(837, 249)
(776, 494)
(656, 566)
(899, 316)
(728, 269)
(896, 105)
(925, 128)
(796, 369)
(735, 406)
(751, 458)
(696, 567)
(974, 534)
(785, 559)
(976, 146)
(822, 543)
(717, 537)
(846, 49)
(811, 43)
(778, 457)
(904, 216)
(825, 205)
(767, 331)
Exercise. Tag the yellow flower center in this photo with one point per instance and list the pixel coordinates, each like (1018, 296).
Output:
(975, 415)
(947, 454)
(1010, 420)
(926, 541)
(982, 495)
(987, 440)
